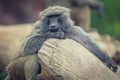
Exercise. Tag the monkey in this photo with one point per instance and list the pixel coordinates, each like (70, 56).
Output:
(61, 18)
(54, 22)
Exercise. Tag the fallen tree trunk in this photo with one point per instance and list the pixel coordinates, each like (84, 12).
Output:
(68, 60)
(11, 38)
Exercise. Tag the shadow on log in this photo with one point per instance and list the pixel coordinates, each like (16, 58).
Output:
(68, 60)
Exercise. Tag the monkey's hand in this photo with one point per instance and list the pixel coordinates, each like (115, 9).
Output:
(111, 64)
(60, 35)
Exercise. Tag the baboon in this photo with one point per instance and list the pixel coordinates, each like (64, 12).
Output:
(55, 22)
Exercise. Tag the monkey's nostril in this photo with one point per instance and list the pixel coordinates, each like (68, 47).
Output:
(52, 26)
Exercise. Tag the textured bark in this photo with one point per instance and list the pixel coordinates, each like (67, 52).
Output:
(68, 60)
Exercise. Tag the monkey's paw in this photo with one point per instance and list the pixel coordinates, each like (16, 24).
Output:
(60, 35)
(112, 65)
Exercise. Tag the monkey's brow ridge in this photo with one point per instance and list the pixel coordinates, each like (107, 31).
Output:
(54, 15)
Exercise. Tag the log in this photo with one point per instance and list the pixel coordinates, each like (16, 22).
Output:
(11, 38)
(68, 60)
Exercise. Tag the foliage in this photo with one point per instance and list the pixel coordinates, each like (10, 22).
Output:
(110, 23)
(3, 75)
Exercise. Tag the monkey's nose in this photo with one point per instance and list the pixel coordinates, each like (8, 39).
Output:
(53, 26)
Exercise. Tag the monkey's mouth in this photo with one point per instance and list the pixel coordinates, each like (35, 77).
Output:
(54, 30)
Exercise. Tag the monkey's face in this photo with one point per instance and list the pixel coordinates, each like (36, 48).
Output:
(55, 22)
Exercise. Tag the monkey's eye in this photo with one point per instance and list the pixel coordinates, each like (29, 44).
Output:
(59, 20)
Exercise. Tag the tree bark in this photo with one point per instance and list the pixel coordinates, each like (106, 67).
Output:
(68, 60)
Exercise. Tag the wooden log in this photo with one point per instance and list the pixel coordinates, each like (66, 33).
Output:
(10, 39)
(68, 60)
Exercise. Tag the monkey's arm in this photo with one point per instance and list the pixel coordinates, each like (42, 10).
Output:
(33, 42)
(77, 34)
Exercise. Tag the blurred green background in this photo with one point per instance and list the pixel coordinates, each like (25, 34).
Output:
(110, 24)
(3, 75)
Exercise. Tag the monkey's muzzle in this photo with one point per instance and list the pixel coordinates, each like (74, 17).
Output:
(54, 30)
